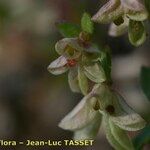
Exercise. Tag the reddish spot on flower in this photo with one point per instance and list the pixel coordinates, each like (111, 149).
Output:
(71, 62)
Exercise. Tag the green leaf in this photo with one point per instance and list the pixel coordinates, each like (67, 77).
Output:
(83, 81)
(145, 81)
(147, 5)
(69, 29)
(142, 139)
(105, 60)
(87, 24)
(137, 33)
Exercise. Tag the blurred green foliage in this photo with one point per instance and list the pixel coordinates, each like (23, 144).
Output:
(145, 81)
(142, 139)
(147, 4)
(4, 11)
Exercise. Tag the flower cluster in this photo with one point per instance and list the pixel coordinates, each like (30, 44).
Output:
(103, 103)
(124, 15)
(90, 74)
(82, 61)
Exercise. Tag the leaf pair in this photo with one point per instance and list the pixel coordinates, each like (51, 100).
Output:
(70, 30)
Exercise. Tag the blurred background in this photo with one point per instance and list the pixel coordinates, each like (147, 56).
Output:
(32, 101)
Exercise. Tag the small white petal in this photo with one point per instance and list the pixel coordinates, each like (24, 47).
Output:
(109, 12)
(135, 9)
(90, 131)
(58, 66)
(81, 115)
(129, 119)
(62, 44)
(116, 31)
(136, 5)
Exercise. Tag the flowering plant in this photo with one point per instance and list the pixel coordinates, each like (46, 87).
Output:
(90, 73)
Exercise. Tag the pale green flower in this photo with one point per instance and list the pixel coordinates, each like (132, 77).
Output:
(115, 30)
(102, 102)
(124, 15)
(115, 9)
(136, 31)
(81, 60)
